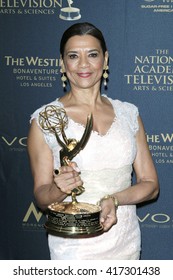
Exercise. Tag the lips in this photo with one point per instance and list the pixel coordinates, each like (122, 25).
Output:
(84, 75)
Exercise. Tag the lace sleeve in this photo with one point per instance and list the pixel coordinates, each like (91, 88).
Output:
(131, 113)
(49, 137)
(35, 115)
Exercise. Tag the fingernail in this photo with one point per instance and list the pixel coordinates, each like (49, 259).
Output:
(76, 168)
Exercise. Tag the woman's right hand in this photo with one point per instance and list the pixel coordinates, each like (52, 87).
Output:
(68, 178)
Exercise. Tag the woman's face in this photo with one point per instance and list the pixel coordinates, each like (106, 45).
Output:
(84, 61)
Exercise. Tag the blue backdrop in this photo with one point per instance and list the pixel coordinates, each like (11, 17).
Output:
(139, 39)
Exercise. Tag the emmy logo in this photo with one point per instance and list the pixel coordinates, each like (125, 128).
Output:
(70, 13)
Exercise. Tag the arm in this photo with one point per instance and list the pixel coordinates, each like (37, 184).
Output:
(146, 187)
(48, 187)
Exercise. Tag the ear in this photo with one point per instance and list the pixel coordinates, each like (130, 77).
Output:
(106, 59)
(62, 64)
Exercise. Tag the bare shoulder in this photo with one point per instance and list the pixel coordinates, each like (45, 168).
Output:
(34, 131)
(141, 134)
(35, 138)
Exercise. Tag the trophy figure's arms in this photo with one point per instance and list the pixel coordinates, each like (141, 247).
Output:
(81, 144)
(62, 144)
(70, 2)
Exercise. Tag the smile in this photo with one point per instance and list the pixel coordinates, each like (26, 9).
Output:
(84, 75)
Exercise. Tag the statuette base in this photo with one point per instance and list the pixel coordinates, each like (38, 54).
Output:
(70, 13)
(74, 219)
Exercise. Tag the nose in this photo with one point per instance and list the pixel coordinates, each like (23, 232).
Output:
(84, 61)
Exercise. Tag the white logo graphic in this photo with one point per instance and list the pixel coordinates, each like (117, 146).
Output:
(70, 13)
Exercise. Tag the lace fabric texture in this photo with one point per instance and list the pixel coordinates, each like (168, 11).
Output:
(106, 167)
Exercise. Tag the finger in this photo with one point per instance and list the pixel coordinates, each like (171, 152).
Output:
(67, 169)
(74, 166)
(73, 180)
(67, 182)
(102, 217)
(109, 222)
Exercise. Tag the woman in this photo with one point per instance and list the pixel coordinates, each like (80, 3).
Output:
(116, 144)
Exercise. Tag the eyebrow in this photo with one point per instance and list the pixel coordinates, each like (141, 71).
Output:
(73, 51)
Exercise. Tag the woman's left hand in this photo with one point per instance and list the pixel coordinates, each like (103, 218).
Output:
(108, 216)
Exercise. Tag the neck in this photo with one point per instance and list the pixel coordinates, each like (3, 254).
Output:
(83, 97)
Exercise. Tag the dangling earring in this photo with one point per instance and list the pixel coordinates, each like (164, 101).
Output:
(63, 78)
(105, 75)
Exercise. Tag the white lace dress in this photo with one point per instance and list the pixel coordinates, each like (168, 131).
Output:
(106, 167)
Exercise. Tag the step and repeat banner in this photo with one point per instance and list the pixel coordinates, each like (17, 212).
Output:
(140, 42)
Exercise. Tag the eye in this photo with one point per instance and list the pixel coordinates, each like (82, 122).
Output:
(72, 56)
(93, 54)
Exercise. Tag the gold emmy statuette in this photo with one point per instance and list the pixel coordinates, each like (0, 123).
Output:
(72, 219)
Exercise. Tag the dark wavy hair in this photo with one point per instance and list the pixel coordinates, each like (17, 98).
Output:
(81, 29)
